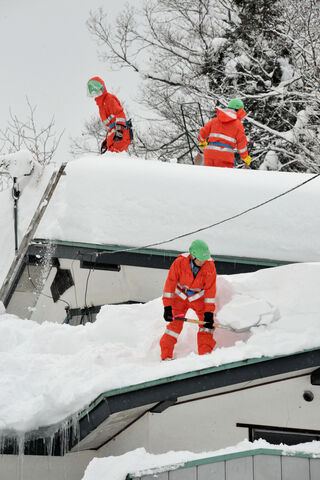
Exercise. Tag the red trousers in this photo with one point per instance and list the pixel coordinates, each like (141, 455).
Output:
(205, 339)
(216, 162)
(120, 146)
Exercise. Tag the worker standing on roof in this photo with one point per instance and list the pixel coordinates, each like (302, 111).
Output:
(223, 134)
(191, 283)
(119, 131)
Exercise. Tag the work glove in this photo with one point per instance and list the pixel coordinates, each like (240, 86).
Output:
(103, 147)
(167, 314)
(247, 160)
(203, 144)
(208, 320)
(119, 133)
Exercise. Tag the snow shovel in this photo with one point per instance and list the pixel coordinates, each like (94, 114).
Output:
(225, 327)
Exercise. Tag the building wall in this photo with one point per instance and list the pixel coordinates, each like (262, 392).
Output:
(210, 424)
(138, 284)
(257, 467)
(29, 467)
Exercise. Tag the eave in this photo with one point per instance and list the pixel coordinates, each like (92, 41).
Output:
(114, 410)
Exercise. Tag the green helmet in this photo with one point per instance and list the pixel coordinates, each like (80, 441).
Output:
(200, 250)
(236, 104)
(95, 88)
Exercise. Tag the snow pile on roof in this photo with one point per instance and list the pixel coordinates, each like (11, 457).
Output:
(138, 461)
(40, 364)
(115, 199)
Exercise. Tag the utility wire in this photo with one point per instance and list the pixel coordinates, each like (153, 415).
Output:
(214, 224)
(91, 269)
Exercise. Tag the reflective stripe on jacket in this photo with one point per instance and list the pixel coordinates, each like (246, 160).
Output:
(181, 285)
(224, 134)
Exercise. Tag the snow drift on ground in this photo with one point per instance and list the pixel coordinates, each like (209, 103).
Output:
(49, 371)
(139, 461)
(115, 199)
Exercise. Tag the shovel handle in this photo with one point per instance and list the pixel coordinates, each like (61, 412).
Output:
(190, 320)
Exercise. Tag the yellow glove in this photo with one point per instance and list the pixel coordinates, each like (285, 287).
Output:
(247, 160)
(203, 144)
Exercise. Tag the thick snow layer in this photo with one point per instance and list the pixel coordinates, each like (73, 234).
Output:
(40, 382)
(19, 163)
(120, 200)
(140, 461)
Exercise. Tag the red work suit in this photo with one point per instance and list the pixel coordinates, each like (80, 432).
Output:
(224, 133)
(111, 113)
(182, 291)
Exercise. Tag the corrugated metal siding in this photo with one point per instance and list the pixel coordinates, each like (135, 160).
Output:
(255, 467)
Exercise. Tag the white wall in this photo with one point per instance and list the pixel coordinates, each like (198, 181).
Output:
(29, 467)
(139, 284)
(210, 424)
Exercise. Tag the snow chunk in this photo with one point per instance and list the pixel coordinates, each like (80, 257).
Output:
(19, 163)
(217, 43)
(287, 69)
(231, 65)
(271, 161)
(246, 311)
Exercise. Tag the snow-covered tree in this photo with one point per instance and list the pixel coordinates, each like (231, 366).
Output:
(261, 67)
(205, 51)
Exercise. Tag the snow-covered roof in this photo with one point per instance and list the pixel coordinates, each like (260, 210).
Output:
(49, 348)
(291, 454)
(114, 410)
(120, 200)
(140, 462)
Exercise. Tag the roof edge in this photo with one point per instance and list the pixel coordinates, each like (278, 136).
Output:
(154, 251)
(183, 376)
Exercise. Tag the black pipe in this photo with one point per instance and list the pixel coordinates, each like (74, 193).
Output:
(15, 196)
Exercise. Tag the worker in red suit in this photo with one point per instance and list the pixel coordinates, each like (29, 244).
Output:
(191, 283)
(119, 133)
(224, 134)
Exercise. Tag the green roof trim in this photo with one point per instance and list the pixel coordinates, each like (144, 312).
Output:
(221, 458)
(181, 376)
(148, 251)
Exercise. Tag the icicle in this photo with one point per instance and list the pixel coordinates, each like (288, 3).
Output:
(20, 444)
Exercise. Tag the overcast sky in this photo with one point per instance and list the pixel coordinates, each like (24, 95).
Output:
(48, 55)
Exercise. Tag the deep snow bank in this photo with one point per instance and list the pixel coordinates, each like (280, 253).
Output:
(120, 200)
(40, 364)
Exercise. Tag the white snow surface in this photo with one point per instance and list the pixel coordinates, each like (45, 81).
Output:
(19, 163)
(116, 199)
(139, 461)
(49, 371)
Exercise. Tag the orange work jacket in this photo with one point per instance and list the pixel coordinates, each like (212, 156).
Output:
(224, 134)
(180, 285)
(110, 110)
